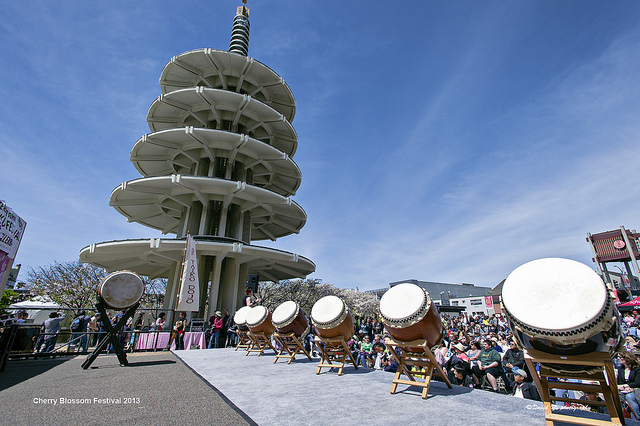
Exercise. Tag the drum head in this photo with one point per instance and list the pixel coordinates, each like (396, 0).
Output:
(402, 302)
(240, 317)
(554, 294)
(284, 312)
(122, 289)
(256, 315)
(327, 310)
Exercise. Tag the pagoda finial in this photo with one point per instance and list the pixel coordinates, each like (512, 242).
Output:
(240, 32)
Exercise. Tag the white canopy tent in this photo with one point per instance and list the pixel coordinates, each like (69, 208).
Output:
(38, 309)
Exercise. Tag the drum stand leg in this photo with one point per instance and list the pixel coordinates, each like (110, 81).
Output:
(415, 353)
(289, 343)
(243, 341)
(260, 342)
(112, 335)
(603, 381)
(335, 347)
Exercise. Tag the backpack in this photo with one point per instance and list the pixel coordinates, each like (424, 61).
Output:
(76, 323)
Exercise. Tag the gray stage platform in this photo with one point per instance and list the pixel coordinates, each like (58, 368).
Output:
(292, 394)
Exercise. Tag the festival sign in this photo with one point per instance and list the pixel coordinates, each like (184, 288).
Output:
(11, 230)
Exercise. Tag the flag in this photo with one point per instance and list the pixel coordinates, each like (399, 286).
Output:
(189, 296)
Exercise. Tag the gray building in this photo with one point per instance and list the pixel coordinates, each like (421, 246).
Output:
(449, 291)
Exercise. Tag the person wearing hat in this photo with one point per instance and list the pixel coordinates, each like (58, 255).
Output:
(216, 326)
(459, 360)
(522, 389)
(460, 377)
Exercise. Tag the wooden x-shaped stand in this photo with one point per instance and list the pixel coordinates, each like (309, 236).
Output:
(335, 348)
(289, 343)
(603, 381)
(244, 342)
(112, 335)
(259, 342)
(415, 353)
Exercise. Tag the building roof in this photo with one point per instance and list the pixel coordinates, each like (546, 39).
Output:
(457, 290)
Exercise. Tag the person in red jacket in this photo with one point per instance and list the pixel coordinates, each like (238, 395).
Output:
(216, 327)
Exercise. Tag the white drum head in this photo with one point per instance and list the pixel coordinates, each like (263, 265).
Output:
(284, 312)
(122, 289)
(327, 309)
(240, 317)
(402, 301)
(554, 294)
(256, 315)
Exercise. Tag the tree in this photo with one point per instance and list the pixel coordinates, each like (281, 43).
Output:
(307, 292)
(74, 285)
(8, 297)
(69, 284)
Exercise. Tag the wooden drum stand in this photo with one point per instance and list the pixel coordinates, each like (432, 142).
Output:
(259, 342)
(415, 353)
(335, 348)
(604, 382)
(291, 344)
(243, 340)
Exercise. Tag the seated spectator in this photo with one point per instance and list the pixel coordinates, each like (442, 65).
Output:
(522, 389)
(513, 357)
(365, 348)
(460, 377)
(377, 339)
(629, 379)
(630, 343)
(592, 396)
(459, 359)
(490, 365)
(380, 356)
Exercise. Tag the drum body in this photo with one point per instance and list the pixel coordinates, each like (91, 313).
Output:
(289, 317)
(240, 318)
(121, 290)
(408, 313)
(259, 320)
(561, 307)
(331, 318)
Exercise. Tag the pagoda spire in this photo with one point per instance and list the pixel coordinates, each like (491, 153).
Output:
(240, 33)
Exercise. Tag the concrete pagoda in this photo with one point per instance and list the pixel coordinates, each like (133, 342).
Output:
(218, 165)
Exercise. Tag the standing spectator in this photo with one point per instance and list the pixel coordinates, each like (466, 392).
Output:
(216, 327)
(223, 332)
(135, 334)
(79, 330)
(522, 389)
(160, 322)
(93, 329)
(180, 328)
(51, 330)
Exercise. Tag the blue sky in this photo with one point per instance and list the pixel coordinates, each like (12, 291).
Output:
(440, 141)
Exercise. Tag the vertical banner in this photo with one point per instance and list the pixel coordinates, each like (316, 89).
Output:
(189, 296)
(11, 232)
(488, 301)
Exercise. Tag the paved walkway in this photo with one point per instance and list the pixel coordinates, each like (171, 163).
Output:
(156, 388)
(225, 387)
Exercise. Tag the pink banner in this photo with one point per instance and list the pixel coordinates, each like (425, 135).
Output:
(4, 265)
